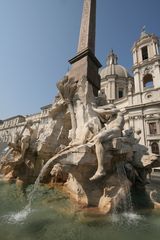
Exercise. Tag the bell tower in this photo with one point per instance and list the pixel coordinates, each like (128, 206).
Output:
(146, 63)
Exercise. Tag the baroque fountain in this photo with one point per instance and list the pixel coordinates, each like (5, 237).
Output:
(84, 147)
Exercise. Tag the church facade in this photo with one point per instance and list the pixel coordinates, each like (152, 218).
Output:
(137, 96)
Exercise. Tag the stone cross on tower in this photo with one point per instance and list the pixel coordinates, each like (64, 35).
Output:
(85, 63)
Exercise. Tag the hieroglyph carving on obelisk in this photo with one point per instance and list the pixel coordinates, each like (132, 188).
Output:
(88, 26)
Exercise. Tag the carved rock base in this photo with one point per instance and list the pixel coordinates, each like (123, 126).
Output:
(105, 193)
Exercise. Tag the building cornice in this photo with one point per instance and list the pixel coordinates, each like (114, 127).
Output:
(145, 40)
(142, 106)
(146, 62)
(46, 107)
(14, 117)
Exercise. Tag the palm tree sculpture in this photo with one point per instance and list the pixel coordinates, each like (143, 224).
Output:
(67, 88)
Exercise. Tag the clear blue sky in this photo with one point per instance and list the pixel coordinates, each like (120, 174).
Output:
(37, 37)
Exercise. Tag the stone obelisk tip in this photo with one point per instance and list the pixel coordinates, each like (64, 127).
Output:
(88, 27)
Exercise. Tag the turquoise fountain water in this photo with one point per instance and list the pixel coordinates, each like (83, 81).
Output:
(52, 216)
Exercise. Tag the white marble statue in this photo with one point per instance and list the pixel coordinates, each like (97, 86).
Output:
(26, 137)
(21, 141)
(67, 89)
(113, 125)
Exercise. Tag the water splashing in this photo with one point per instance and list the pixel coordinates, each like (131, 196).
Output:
(123, 181)
(36, 184)
(18, 217)
(126, 218)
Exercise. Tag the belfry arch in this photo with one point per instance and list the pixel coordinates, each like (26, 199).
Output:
(148, 81)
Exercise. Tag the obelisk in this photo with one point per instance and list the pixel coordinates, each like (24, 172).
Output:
(88, 27)
(85, 63)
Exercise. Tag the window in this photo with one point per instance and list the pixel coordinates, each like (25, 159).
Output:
(155, 148)
(120, 93)
(157, 170)
(153, 128)
(144, 53)
(148, 81)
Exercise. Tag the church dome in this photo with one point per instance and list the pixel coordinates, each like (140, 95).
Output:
(118, 70)
(113, 68)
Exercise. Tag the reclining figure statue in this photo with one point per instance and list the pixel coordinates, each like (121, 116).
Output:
(113, 121)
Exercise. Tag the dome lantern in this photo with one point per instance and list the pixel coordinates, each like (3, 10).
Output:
(112, 58)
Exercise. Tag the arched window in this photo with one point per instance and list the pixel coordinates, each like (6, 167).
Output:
(155, 148)
(120, 93)
(148, 81)
(145, 53)
(152, 128)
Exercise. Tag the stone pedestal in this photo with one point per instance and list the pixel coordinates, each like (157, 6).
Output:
(86, 64)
